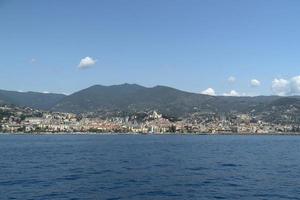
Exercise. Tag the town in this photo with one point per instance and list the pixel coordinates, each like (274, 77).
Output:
(27, 120)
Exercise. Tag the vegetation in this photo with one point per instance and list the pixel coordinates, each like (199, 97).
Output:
(173, 104)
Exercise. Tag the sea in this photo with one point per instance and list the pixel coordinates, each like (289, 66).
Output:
(154, 167)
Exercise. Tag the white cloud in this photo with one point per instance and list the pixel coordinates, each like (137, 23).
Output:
(281, 87)
(46, 92)
(284, 87)
(33, 60)
(209, 91)
(295, 85)
(232, 93)
(255, 83)
(86, 62)
(231, 79)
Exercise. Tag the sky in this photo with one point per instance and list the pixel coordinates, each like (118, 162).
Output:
(232, 47)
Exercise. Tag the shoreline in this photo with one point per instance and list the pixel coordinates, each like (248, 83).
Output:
(153, 134)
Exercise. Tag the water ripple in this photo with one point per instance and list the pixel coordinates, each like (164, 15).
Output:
(149, 167)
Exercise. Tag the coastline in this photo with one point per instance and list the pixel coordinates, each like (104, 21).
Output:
(152, 134)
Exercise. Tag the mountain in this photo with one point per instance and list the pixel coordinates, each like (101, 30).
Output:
(281, 110)
(43, 101)
(130, 98)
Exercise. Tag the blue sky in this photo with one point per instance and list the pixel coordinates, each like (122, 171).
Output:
(187, 44)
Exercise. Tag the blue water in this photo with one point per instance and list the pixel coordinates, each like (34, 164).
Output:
(149, 167)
